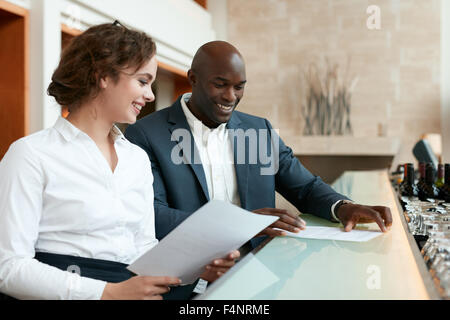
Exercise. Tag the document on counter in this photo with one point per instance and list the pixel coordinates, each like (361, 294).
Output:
(329, 233)
(211, 232)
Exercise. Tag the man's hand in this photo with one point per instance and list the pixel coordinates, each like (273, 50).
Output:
(351, 214)
(219, 266)
(288, 221)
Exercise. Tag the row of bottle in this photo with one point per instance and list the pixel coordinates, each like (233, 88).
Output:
(429, 222)
(429, 185)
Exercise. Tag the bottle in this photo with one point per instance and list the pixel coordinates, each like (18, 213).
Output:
(398, 175)
(428, 190)
(407, 188)
(401, 180)
(439, 183)
(421, 182)
(430, 178)
(445, 190)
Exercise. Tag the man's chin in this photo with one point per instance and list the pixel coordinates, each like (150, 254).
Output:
(222, 120)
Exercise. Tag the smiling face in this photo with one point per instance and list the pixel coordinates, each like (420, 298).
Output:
(124, 99)
(217, 88)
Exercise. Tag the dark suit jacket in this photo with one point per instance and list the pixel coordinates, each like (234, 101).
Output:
(180, 189)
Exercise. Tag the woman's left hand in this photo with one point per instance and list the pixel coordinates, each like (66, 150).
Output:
(218, 267)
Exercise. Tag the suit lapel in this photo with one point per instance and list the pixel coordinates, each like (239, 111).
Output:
(241, 169)
(177, 120)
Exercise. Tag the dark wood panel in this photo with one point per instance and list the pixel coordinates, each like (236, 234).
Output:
(67, 34)
(13, 78)
(203, 3)
(182, 85)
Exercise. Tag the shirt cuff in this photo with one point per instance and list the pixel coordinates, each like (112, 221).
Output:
(334, 218)
(86, 288)
(333, 215)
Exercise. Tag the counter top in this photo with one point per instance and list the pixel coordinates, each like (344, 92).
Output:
(293, 268)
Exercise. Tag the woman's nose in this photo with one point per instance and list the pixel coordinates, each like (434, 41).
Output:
(148, 95)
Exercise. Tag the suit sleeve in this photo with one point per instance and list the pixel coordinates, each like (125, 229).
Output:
(307, 192)
(166, 218)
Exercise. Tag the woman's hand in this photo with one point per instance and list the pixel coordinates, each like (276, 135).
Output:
(139, 288)
(219, 266)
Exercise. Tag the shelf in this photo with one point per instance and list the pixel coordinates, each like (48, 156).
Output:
(343, 146)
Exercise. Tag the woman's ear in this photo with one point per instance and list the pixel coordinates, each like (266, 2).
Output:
(103, 83)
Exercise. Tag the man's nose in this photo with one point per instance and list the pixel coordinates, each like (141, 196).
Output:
(229, 95)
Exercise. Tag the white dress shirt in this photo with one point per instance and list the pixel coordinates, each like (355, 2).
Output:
(217, 156)
(58, 194)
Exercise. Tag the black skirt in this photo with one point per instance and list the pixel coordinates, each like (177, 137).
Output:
(105, 270)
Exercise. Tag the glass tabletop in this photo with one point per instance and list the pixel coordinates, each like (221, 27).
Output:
(293, 268)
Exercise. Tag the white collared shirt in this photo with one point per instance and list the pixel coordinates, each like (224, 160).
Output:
(59, 195)
(217, 156)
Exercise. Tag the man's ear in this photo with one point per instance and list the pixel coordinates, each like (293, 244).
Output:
(192, 78)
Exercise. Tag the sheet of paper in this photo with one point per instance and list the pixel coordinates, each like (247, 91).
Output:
(328, 233)
(209, 233)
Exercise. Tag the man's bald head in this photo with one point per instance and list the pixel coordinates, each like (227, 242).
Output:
(215, 52)
(217, 77)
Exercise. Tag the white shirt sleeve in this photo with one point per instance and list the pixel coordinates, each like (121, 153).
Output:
(145, 237)
(22, 181)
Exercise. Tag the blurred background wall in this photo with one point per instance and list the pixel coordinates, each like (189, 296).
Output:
(394, 56)
(397, 95)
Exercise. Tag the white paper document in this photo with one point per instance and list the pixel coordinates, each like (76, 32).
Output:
(211, 232)
(328, 233)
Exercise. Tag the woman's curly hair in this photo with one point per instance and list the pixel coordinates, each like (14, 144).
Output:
(100, 51)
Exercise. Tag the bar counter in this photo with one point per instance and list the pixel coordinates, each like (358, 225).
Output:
(387, 267)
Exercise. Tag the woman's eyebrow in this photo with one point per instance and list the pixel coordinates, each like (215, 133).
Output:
(148, 75)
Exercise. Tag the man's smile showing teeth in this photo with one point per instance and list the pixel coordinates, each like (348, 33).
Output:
(223, 107)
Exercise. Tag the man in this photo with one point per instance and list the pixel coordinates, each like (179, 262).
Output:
(201, 149)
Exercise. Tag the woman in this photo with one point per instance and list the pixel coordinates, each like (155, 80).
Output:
(78, 196)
